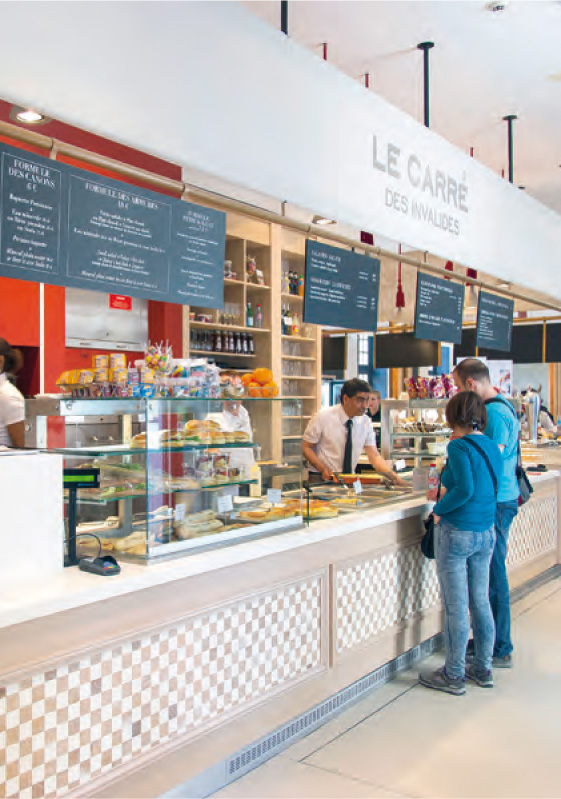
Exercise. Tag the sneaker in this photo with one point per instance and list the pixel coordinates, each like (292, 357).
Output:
(483, 677)
(502, 662)
(440, 681)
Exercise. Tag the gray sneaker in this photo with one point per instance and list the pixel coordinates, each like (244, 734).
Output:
(502, 662)
(440, 681)
(483, 677)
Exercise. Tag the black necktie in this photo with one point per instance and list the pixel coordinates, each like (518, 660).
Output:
(348, 456)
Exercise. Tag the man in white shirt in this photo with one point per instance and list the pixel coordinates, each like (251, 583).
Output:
(335, 437)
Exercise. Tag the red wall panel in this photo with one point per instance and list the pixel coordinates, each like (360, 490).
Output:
(19, 312)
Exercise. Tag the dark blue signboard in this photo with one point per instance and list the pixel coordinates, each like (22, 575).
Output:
(341, 288)
(439, 309)
(65, 226)
(494, 322)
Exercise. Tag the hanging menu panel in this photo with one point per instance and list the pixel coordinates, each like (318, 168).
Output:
(30, 207)
(341, 288)
(63, 225)
(439, 309)
(494, 321)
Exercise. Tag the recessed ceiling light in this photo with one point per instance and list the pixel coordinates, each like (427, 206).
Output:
(30, 117)
(496, 7)
(322, 220)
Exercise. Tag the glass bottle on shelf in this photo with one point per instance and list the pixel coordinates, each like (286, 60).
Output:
(283, 326)
(287, 321)
(285, 282)
(218, 341)
(259, 317)
(301, 286)
(250, 344)
(238, 343)
(249, 315)
(244, 344)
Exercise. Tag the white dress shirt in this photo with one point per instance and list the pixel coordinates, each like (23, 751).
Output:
(327, 433)
(12, 409)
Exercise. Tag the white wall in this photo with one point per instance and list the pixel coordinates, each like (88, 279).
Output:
(211, 87)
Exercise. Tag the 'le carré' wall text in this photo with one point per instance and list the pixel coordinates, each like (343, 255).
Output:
(421, 190)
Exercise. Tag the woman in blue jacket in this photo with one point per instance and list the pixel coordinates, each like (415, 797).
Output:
(464, 541)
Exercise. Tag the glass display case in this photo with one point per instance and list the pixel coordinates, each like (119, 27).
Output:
(415, 430)
(176, 475)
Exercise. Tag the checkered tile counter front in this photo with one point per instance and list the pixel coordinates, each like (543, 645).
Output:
(534, 530)
(377, 593)
(61, 728)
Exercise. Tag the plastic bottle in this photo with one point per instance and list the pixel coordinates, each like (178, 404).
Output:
(433, 477)
(259, 317)
(301, 286)
(249, 315)
(295, 325)
(285, 282)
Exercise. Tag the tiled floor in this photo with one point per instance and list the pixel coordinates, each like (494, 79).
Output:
(404, 740)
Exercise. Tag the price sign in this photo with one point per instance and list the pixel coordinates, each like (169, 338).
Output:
(357, 485)
(179, 512)
(274, 496)
(225, 504)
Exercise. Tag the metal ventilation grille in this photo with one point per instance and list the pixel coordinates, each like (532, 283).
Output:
(269, 746)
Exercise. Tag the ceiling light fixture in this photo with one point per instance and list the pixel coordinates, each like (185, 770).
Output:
(322, 220)
(29, 117)
(496, 7)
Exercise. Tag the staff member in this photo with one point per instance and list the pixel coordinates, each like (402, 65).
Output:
(12, 404)
(335, 437)
(374, 412)
(234, 418)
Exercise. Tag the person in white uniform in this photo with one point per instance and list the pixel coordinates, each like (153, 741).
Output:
(336, 437)
(12, 404)
(235, 418)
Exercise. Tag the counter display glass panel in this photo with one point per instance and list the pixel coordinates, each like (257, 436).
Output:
(176, 475)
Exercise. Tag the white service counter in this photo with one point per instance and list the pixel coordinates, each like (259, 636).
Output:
(212, 651)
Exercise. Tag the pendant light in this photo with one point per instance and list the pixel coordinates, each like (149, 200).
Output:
(400, 296)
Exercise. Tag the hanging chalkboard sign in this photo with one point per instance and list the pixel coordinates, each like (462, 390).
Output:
(439, 309)
(68, 227)
(494, 322)
(341, 288)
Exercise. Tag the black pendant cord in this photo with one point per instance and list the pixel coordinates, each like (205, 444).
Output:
(425, 47)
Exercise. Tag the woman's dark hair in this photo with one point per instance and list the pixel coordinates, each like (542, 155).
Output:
(355, 386)
(13, 359)
(467, 409)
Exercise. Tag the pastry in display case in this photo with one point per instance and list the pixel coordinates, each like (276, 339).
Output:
(175, 474)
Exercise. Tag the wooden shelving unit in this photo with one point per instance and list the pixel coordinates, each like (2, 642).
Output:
(274, 249)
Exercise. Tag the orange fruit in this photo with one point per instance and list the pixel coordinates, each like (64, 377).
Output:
(247, 378)
(262, 375)
(254, 389)
(271, 388)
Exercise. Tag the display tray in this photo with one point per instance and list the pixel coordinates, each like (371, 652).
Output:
(364, 477)
(126, 449)
(93, 496)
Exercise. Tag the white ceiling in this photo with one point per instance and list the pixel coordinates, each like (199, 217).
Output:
(483, 66)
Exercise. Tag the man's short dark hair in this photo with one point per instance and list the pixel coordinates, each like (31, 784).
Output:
(355, 386)
(474, 368)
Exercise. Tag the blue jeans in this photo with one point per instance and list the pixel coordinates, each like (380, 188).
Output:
(498, 584)
(462, 562)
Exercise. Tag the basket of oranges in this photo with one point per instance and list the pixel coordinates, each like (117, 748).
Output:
(260, 383)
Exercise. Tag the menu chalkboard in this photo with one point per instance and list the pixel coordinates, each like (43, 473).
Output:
(494, 321)
(439, 309)
(65, 226)
(341, 288)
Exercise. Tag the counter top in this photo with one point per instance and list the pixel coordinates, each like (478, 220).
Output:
(74, 588)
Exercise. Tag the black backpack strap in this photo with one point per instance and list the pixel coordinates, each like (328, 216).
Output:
(485, 458)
